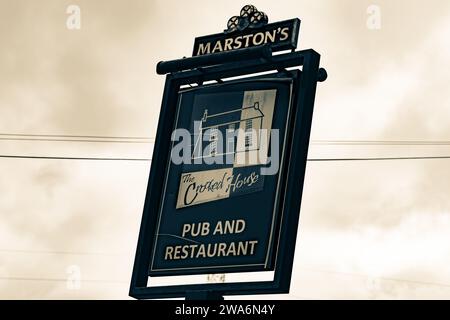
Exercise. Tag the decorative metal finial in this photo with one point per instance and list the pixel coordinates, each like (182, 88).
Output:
(249, 17)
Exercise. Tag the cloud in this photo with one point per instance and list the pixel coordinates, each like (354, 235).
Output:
(385, 219)
(384, 262)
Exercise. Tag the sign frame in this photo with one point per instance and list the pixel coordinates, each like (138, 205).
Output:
(295, 158)
(225, 212)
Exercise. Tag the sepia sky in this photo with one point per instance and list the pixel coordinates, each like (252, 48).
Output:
(368, 229)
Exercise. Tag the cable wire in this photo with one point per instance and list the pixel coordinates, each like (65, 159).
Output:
(74, 253)
(74, 140)
(378, 158)
(150, 159)
(61, 280)
(76, 136)
(142, 139)
(72, 158)
(382, 142)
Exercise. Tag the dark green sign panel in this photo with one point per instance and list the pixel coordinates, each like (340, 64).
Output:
(219, 208)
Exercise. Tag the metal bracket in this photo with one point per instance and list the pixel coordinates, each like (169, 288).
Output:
(259, 52)
(322, 75)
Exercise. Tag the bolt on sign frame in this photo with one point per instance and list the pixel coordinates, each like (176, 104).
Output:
(291, 177)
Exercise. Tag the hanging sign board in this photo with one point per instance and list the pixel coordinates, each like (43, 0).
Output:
(219, 206)
(228, 165)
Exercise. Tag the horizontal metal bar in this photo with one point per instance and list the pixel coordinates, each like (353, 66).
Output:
(228, 70)
(259, 52)
(235, 288)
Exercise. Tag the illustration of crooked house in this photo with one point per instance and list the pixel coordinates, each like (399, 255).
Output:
(248, 119)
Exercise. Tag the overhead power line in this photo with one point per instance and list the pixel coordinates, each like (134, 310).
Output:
(72, 158)
(49, 252)
(380, 158)
(348, 274)
(382, 142)
(75, 140)
(61, 280)
(149, 159)
(75, 136)
(142, 139)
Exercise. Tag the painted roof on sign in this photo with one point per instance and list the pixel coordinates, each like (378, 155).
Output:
(231, 117)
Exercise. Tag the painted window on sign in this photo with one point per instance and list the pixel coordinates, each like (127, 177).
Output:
(248, 134)
(213, 141)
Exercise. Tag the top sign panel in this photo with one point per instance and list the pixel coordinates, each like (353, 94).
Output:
(280, 36)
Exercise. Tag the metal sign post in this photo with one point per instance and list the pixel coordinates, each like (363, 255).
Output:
(232, 204)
